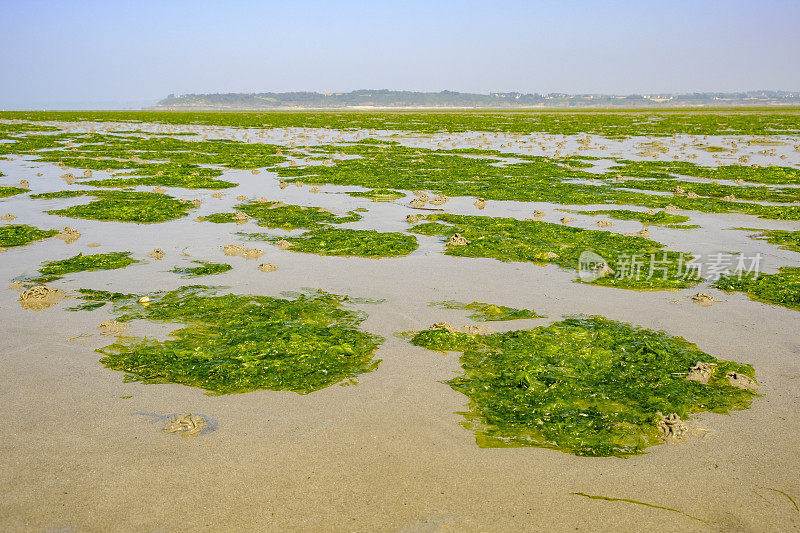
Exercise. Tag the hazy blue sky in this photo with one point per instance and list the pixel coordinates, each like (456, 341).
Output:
(67, 54)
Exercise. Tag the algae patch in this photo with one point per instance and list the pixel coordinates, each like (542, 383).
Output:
(81, 263)
(22, 234)
(782, 288)
(204, 268)
(585, 385)
(483, 312)
(351, 242)
(240, 343)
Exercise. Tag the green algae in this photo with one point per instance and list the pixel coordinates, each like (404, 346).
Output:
(586, 385)
(83, 263)
(788, 240)
(166, 175)
(241, 343)
(637, 262)
(781, 289)
(770, 174)
(660, 218)
(351, 242)
(121, 206)
(614, 123)
(22, 234)
(483, 312)
(5, 192)
(379, 195)
(284, 216)
(637, 502)
(205, 268)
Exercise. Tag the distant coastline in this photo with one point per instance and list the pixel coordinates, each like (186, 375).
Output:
(385, 100)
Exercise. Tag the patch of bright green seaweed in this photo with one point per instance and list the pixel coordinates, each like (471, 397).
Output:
(781, 289)
(351, 242)
(240, 343)
(52, 270)
(585, 385)
(483, 312)
(22, 234)
(638, 263)
(121, 206)
(205, 268)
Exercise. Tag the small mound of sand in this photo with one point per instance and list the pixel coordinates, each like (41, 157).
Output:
(480, 203)
(538, 213)
(217, 195)
(112, 327)
(267, 267)
(443, 326)
(69, 178)
(644, 232)
(421, 195)
(704, 299)
(40, 297)
(740, 381)
(93, 244)
(8, 217)
(650, 212)
(159, 190)
(672, 427)
(417, 203)
(567, 220)
(24, 184)
(157, 254)
(283, 184)
(68, 235)
(671, 207)
(604, 223)
(298, 183)
(187, 425)
(458, 240)
(233, 249)
(679, 191)
(314, 190)
(255, 171)
(701, 372)
(548, 255)
(439, 199)
(197, 202)
(692, 194)
(283, 244)
(240, 218)
(471, 329)
(87, 173)
(252, 253)
(242, 198)
(729, 198)
(412, 219)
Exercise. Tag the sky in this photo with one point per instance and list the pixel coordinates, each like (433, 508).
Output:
(129, 54)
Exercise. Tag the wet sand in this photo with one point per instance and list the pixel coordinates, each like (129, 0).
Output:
(389, 453)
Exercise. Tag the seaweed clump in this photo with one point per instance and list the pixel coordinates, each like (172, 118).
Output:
(483, 312)
(633, 262)
(11, 191)
(351, 242)
(52, 270)
(782, 288)
(22, 234)
(788, 240)
(283, 216)
(121, 206)
(204, 268)
(241, 343)
(586, 385)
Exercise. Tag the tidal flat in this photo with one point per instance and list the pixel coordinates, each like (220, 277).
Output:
(448, 320)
